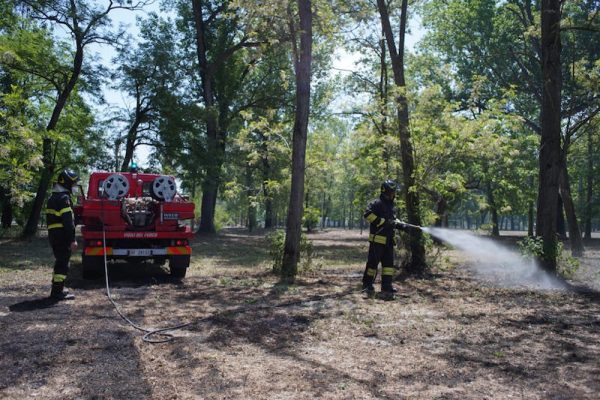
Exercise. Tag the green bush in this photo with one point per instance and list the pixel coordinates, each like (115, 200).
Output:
(307, 263)
(276, 242)
(12, 232)
(311, 217)
(222, 218)
(566, 265)
(531, 246)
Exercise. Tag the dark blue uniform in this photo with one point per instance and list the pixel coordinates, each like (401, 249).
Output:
(381, 216)
(61, 233)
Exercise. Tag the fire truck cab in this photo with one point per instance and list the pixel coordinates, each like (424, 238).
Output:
(140, 217)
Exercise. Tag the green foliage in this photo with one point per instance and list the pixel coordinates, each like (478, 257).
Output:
(491, 51)
(533, 247)
(472, 87)
(308, 262)
(311, 217)
(222, 217)
(13, 232)
(20, 147)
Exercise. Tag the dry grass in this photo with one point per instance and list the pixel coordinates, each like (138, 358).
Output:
(449, 337)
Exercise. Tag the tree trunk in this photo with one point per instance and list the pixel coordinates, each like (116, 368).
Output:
(417, 265)
(590, 187)
(268, 213)
(351, 218)
(383, 100)
(530, 220)
(207, 207)
(117, 151)
(7, 210)
(549, 158)
(573, 225)
(302, 61)
(561, 231)
(493, 210)
(266, 174)
(494, 221)
(249, 194)
(441, 211)
(48, 145)
(130, 144)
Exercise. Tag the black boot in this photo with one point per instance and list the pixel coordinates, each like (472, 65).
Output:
(387, 290)
(367, 281)
(369, 290)
(58, 293)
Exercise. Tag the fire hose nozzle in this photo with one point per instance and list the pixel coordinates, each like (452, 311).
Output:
(413, 226)
(403, 225)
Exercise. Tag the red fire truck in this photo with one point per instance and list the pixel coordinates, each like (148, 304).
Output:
(140, 217)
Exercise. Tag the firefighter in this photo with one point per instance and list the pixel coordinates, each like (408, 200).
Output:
(381, 216)
(61, 231)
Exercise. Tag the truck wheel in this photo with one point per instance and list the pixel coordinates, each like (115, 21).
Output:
(178, 266)
(92, 267)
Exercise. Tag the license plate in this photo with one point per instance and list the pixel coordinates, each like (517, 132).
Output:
(140, 252)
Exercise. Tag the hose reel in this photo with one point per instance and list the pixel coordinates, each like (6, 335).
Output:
(163, 188)
(115, 187)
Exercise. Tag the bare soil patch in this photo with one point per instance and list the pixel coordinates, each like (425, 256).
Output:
(250, 337)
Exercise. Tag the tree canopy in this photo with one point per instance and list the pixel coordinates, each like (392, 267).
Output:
(242, 100)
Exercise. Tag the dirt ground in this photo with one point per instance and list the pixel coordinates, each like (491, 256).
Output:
(250, 337)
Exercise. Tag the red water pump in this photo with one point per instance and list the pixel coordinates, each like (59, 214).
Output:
(134, 217)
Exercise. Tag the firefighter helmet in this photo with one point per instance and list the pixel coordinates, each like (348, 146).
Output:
(389, 187)
(67, 178)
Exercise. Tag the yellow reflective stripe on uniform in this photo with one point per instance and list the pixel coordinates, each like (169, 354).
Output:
(371, 271)
(387, 271)
(371, 217)
(377, 239)
(54, 226)
(58, 278)
(381, 222)
(59, 212)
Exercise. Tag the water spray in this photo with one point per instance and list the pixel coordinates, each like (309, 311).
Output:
(493, 261)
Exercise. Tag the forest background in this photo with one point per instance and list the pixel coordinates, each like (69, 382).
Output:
(212, 90)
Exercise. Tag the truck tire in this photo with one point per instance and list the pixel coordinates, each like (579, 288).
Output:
(178, 266)
(92, 267)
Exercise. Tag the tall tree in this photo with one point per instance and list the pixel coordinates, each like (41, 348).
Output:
(302, 64)
(501, 41)
(215, 144)
(149, 73)
(86, 24)
(135, 79)
(228, 38)
(417, 263)
(550, 156)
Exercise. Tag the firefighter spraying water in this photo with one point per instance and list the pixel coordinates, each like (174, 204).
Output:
(381, 215)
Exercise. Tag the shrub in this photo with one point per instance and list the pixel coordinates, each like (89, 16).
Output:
(311, 217)
(566, 265)
(307, 263)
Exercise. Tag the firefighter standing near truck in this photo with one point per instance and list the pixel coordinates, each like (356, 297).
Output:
(61, 231)
(381, 216)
